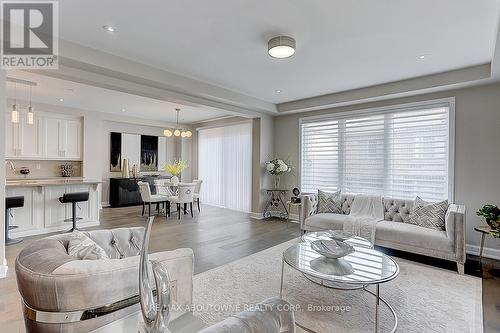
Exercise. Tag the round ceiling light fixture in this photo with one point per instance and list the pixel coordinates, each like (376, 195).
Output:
(281, 47)
(109, 28)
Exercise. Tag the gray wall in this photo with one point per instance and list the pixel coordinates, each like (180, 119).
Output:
(477, 148)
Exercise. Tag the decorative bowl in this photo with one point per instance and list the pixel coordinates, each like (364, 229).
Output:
(332, 249)
(339, 235)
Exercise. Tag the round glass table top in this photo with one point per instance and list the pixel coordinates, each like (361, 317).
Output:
(364, 266)
(355, 241)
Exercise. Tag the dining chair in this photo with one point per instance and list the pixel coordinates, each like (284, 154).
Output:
(148, 198)
(185, 193)
(197, 189)
(163, 187)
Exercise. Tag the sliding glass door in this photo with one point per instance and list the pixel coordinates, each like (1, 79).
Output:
(225, 166)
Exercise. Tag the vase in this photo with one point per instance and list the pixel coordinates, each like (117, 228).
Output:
(276, 182)
(125, 169)
(155, 309)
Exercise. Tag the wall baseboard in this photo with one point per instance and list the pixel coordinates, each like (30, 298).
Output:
(104, 204)
(256, 215)
(3, 269)
(488, 252)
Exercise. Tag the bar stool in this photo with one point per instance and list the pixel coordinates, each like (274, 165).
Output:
(74, 198)
(11, 202)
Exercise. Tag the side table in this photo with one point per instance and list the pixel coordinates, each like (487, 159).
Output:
(275, 205)
(291, 204)
(484, 230)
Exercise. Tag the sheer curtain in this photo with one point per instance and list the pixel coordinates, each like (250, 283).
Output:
(399, 153)
(225, 166)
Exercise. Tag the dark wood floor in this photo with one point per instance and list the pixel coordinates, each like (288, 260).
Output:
(218, 236)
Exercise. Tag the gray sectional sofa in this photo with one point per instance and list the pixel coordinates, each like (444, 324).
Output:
(64, 294)
(393, 232)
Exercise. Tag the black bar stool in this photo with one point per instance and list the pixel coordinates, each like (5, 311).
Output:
(74, 198)
(11, 202)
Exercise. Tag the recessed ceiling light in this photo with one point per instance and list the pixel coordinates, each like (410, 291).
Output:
(61, 99)
(421, 57)
(277, 91)
(281, 47)
(123, 110)
(109, 28)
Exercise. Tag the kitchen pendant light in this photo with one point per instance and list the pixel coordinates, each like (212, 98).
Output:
(177, 131)
(30, 112)
(14, 114)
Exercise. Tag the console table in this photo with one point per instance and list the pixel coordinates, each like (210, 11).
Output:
(125, 191)
(275, 205)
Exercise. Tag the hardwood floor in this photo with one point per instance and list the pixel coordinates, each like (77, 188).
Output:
(219, 236)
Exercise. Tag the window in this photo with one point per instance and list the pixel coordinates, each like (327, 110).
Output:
(399, 152)
(225, 166)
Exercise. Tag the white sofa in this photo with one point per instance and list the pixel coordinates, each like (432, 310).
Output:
(393, 232)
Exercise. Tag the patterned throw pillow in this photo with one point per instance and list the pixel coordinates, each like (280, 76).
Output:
(429, 215)
(329, 202)
(84, 248)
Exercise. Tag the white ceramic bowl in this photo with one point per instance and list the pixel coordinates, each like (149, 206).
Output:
(332, 249)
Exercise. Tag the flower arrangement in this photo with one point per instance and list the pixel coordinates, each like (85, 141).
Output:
(176, 167)
(277, 167)
(491, 214)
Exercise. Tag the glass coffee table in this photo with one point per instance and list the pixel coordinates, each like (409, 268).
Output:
(358, 270)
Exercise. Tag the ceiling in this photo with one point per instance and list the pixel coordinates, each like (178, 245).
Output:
(85, 97)
(341, 45)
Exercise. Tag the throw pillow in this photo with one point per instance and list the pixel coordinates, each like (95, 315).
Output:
(429, 215)
(84, 248)
(329, 202)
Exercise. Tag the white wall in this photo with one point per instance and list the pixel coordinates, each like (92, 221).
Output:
(477, 149)
(3, 263)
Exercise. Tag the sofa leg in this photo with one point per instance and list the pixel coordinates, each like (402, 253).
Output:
(460, 268)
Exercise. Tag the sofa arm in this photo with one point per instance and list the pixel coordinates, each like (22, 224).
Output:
(455, 229)
(271, 316)
(309, 207)
(86, 284)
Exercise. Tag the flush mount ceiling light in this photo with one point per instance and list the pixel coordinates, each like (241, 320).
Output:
(109, 28)
(281, 47)
(177, 131)
(421, 57)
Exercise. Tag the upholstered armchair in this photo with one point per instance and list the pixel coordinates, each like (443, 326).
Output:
(61, 293)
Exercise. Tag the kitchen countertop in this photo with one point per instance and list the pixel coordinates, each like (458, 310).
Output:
(24, 182)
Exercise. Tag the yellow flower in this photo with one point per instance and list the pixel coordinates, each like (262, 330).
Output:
(176, 167)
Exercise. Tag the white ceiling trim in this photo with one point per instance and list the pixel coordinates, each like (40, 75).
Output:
(409, 87)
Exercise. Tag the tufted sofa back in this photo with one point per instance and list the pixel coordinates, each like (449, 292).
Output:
(396, 210)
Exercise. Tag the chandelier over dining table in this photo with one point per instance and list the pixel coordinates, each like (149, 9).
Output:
(177, 131)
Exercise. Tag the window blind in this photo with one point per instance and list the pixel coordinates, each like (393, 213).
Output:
(225, 166)
(400, 153)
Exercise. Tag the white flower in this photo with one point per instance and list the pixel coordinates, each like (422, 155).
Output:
(283, 168)
(270, 167)
(280, 162)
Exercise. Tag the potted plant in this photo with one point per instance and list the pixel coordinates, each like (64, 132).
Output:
(277, 167)
(491, 214)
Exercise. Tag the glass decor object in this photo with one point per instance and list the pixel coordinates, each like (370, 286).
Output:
(155, 308)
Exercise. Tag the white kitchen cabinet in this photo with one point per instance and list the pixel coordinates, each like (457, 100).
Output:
(55, 211)
(29, 217)
(11, 137)
(30, 145)
(72, 140)
(51, 137)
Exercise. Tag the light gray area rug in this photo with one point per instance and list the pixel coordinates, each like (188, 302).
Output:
(426, 298)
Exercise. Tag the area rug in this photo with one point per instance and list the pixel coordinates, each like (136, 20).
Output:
(425, 298)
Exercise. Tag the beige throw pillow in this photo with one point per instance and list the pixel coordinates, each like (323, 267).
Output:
(83, 247)
(329, 202)
(428, 214)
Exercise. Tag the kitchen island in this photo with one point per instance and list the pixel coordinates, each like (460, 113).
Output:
(43, 213)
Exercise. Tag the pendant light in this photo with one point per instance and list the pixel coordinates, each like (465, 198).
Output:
(14, 114)
(177, 131)
(30, 112)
